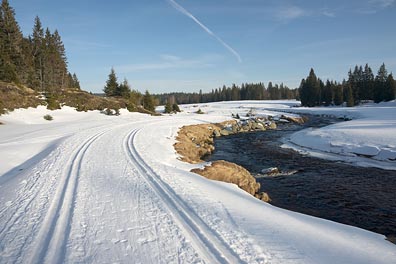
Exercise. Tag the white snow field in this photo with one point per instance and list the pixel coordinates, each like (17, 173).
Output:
(90, 188)
(368, 140)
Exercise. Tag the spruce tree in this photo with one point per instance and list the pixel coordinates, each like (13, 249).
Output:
(310, 90)
(148, 102)
(379, 85)
(367, 84)
(76, 82)
(389, 89)
(111, 86)
(338, 95)
(168, 107)
(38, 54)
(175, 107)
(135, 97)
(61, 62)
(124, 89)
(327, 95)
(349, 96)
(11, 64)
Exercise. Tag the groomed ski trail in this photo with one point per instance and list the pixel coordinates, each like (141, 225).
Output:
(210, 246)
(51, 240)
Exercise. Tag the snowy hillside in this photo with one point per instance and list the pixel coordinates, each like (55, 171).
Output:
(90, 188)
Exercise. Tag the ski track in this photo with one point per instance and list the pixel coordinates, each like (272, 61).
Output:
(51, 239)
(119, 216)
(210, 246)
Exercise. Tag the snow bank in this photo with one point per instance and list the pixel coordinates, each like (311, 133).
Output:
(369, 139)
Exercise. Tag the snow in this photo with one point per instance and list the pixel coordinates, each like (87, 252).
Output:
(369, 139)
(90, 188)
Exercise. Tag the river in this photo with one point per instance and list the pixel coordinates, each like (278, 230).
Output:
(357, 196)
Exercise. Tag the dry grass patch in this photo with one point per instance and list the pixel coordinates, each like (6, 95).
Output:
(225, 171)
(196, 141)
(13, 97)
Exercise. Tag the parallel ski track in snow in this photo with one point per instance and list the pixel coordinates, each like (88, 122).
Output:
(50, 243)
(209, 245)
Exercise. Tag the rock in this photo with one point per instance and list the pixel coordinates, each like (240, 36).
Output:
(294, 119)
(270, 171)
(245, 128)
(272, 125)
(216, 133)
(235, 128)
(263, 196)
(224, 132)
(258, 126)
(232, 173)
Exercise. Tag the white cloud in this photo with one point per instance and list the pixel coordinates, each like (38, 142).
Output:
(290, 13)
(188, 14)
(168, 61)
(328, 13)
(382, 3)
(374, 6)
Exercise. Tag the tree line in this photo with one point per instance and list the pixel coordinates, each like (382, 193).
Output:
(38, 60)
(247, 91)
(360, 86)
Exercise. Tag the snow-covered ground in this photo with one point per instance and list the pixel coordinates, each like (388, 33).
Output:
(90, 188)
(369, 139)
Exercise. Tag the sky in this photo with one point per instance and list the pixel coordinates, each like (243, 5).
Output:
(190, 45)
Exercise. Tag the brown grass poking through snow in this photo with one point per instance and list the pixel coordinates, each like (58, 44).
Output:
(225, 171)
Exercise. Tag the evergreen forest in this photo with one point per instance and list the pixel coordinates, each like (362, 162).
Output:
(37, 61)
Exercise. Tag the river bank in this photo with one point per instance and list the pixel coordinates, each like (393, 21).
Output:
(362, 197)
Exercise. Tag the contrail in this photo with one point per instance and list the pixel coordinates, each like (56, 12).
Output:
(185, 12)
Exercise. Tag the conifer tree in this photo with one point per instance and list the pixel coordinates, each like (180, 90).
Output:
(111, 86)
(38, 48)
(168, 107)
(380, 83)
(148, 102)
(135, 97)
(11, 59)
(175, 107)
(338, 95)
(327, 95)
(124, 89)
(310, 90)
(349, 96)
(367, 83)
(76, 82)
(390, 89)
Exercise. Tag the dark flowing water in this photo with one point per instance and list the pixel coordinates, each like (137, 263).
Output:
(362, 197)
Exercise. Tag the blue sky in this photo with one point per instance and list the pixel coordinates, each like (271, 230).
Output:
(188, 45)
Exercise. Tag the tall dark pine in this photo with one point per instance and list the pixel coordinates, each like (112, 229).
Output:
(60, 61)
(11, 58)
(349, 96)
(327, 94)
(38, 49)
(380, 84)
(310, 90)
(111, 86)
(124, 89)
(76, 82)
(367, 83)
(148, 102)
(338, 94)
(390, 89)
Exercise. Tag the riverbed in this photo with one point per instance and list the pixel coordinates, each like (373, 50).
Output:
(357, 196)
